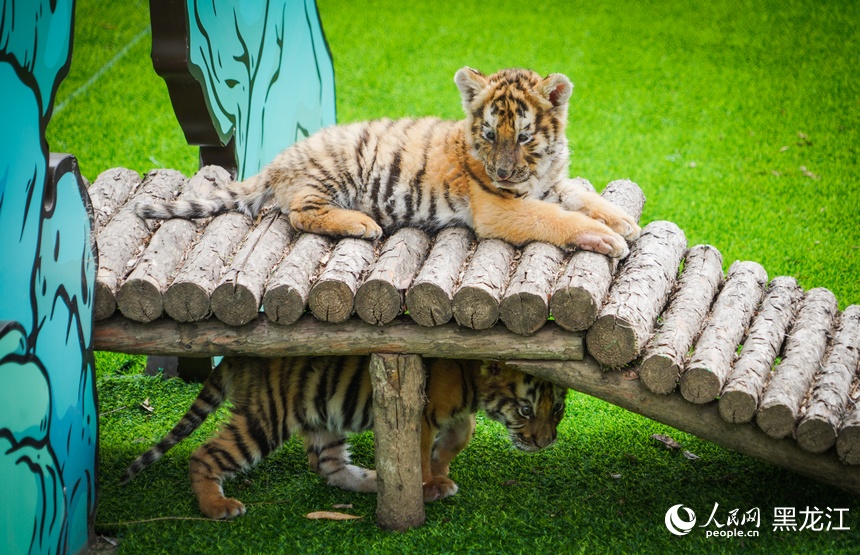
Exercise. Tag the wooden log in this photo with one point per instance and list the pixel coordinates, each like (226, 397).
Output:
(110, 192)
(804, 349)
(398, 405)
(702, 421)
(822, 413)
(584, 282)
(141, 296)
(380, 297)
(476, 302)
(524, 308)
(239, 293)
(848, 440)
(289, 285)
(740, 396)
(332, 297)
(709, 367)
(187, 299)
(638, 295)
(431, 296)
(122, 239)
(668, 349)
(311, 337)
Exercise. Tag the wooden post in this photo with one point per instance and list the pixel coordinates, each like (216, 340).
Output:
(398, 403)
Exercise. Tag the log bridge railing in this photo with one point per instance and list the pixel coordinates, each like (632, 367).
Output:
(759, 367)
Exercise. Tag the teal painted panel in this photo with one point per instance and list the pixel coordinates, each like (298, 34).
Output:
(48, 411)
(266, 71)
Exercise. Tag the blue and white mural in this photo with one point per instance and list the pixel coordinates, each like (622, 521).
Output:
(48, 416)
(266, 72)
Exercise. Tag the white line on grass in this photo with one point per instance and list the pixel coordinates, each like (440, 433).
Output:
(95, 77)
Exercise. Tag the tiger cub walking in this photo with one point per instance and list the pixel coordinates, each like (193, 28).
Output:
(323, 398)
(503, 171)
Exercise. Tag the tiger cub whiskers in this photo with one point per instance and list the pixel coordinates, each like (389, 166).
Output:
(324, 398)
(503, 171)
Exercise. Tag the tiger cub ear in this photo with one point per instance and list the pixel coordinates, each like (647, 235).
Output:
(470, 82)
(556, 88)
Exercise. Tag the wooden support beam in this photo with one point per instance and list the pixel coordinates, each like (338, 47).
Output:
(703, 421)
(398, 404)
(311, 337)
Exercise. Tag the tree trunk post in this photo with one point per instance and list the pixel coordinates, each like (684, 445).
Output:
(398, 404)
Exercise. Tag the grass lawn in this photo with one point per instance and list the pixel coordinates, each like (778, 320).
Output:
(739, 120)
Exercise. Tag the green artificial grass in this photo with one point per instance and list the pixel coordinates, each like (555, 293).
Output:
(739, 120)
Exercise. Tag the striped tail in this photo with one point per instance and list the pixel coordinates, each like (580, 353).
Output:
(248, 197)
(207, 402)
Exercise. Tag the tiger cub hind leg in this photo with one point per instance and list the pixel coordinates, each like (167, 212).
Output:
(314, 212)
(328, 456)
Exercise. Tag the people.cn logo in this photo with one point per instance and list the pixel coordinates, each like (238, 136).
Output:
(676, 524)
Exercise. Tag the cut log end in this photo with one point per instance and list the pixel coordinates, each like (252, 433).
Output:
(573, 308)
(105, 304)
(377, 302)
(429, 305)
(331, 301)
(612, 342)
(475, 308)
(848, 445)
(777, 421)
(700, 385)
(737, 407)
(659, 374)
(816, 435)
(186, 302)
(234, 304)
(524, 313)
(283, 305)
(140, 300)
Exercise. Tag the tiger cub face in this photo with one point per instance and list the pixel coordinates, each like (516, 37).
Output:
(516, 127)
(530, 408)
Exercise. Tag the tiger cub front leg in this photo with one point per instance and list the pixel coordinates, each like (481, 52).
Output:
(436, 486)
(315, 212)
(448, 445)
(520, 221)
(600, 209)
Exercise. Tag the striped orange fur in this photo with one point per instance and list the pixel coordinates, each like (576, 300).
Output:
(503, 171)
(324, 398)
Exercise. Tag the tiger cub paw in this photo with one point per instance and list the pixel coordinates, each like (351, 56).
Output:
(222, 509)
(608, 243)
(438, 488)
(366, 229)
(617, 220)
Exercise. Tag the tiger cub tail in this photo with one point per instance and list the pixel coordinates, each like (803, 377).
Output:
(247, 196)
(207, 402)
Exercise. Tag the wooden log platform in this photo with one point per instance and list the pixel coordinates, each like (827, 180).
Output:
(236, 287)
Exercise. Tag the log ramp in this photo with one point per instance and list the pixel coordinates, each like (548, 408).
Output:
(756, 365)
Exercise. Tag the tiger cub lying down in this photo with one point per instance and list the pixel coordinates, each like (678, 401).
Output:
(323, 398)
(503, 171)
